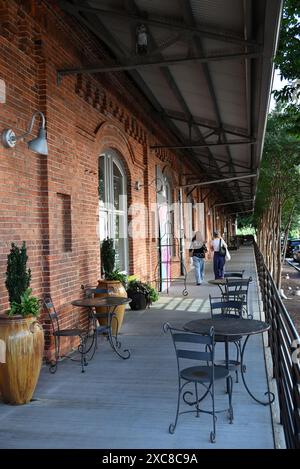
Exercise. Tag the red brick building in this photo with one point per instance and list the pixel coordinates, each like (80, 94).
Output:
(99, 127)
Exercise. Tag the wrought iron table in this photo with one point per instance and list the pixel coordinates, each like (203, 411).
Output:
(111, 303)
(218, 281)
(230, 328)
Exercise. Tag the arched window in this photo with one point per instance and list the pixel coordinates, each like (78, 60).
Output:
(113, 205)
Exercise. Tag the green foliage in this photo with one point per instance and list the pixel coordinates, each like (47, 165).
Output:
(108, 255)
(136, 286)
(28, 306)
(116, 275)
(288, 61)
(288, 58)
(17, 276)
(279, 171)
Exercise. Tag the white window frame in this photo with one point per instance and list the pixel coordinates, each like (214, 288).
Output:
(111, 158)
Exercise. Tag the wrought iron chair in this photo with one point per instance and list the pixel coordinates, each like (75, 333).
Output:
(57, 332)
(237, 289)
(221, 308)
(199, 348)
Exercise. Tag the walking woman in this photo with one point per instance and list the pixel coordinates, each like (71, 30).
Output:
(219, 257)
(198, 250)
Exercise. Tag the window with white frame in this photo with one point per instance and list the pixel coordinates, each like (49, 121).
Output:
(113, 205)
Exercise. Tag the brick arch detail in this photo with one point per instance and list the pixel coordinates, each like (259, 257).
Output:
(110, 135)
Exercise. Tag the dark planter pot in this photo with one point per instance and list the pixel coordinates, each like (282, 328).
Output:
(139, 301)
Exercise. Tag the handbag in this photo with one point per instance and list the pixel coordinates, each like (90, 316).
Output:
(228, 256)
(222, 249)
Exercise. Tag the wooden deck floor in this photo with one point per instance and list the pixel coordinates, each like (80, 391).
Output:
(130, 404)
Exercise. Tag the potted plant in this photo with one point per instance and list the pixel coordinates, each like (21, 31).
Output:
(142, 294)
(114, 281)
(20, 332)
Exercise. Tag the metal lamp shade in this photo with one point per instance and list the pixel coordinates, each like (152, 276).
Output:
(39, 144)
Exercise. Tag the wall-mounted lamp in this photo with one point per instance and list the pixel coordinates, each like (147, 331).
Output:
(37, 145)
(160, 186)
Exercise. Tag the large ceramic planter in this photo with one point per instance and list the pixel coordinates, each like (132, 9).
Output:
(117, 289)
(24, 344)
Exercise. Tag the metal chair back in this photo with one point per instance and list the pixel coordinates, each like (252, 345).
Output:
(237, 289)
(221, 307)
(52, 314)
(183, 344)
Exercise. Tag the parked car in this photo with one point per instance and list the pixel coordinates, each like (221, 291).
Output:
(291, 244)
(296, 253)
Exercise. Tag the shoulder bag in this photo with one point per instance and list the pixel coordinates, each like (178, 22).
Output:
(222, 249)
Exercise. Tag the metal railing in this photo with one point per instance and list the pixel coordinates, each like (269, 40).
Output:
(284, 342)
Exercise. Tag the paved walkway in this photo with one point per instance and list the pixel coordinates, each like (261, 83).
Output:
(130, 404)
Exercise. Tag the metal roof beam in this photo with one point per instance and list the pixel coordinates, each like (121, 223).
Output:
(157, 63)
(204, 145)
(189, 19)
(202, 122)
(217, 181)
(234, 202)
(97, 27)
(166, 23)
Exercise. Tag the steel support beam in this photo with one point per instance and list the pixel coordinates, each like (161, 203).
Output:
(234, 202)
(216, 181)
(204, 145)
(152, 63)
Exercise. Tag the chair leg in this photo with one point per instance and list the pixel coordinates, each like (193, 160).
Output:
(213, 432)
(230, 409)
(53, 363)
(172, 426)
(237, 360)
(82, 350)
(197, 399)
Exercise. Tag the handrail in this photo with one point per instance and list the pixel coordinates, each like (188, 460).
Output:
(284, 342)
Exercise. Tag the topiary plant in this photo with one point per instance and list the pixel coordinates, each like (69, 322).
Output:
(17, 276)
(108, 255)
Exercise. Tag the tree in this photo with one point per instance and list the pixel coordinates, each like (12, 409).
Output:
(277, 197)
(287, 60)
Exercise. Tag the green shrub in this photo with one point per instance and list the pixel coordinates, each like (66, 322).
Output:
(108, 256)
(136, 286)
(29, 305)
(17, 276)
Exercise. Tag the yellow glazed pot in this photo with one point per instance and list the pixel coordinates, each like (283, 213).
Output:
(24, 348)
(117, 289)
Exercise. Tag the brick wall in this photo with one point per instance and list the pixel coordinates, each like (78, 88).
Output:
(51, 201)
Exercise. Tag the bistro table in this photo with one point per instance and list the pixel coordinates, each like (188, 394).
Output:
(230, 328)
(111, 302)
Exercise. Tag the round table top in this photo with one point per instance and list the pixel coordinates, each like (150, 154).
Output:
(101, 301)
(217, 281)
(227, 326)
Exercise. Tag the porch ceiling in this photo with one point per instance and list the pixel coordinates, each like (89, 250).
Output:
(210, 74)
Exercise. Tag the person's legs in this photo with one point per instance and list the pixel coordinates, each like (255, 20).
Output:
(216, 255)
(201, 269)
(221, 264)
(197, 269)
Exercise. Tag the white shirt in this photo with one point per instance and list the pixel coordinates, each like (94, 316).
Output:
(215, 244)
